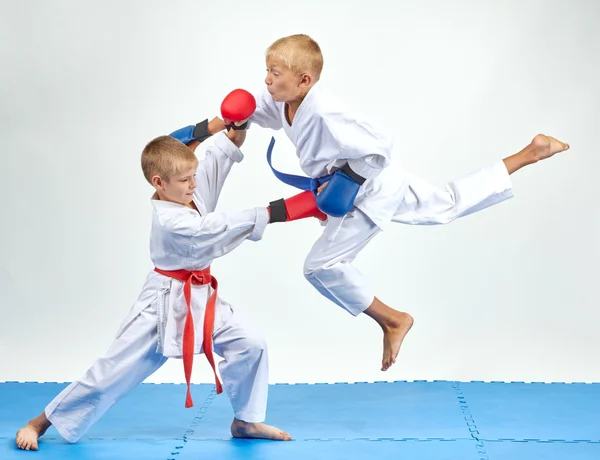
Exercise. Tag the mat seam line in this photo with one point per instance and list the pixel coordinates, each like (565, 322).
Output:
(493, 440)
(194, 423)
(472, 427)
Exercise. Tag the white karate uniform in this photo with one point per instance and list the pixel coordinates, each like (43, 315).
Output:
(327, 136)
(181, 238)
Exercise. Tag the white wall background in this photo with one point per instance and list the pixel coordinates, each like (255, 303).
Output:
(507, 294)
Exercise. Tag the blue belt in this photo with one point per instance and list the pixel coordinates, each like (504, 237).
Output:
(301, 182)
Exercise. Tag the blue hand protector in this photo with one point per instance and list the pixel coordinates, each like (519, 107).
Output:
(338, 197)
(192, 133)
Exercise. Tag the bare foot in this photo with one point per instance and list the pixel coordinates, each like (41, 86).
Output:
(393, 335)
(395, 325)
(241, 429)
(545, 146)
(27, 437)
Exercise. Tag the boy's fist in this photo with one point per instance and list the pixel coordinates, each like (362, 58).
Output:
(237, 107)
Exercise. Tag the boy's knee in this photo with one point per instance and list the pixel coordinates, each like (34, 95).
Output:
(256, 344)
(315, 266)
(312, 265)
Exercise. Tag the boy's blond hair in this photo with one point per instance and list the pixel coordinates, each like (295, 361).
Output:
(166, 157)
(300, 53)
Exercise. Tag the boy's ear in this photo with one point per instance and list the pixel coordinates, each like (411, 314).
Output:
(306, 79)
(157, 181)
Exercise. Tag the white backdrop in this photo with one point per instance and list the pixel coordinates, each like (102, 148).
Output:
(507, 294)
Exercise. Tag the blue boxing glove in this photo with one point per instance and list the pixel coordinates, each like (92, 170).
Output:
(338, 197)
(192, 133)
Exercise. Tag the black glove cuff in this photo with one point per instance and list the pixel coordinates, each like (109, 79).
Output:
(352, 175)
(237, 128)
(201, 131)
(278, 211)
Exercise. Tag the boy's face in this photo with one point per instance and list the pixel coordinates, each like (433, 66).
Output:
(283, 84)
(179, 188)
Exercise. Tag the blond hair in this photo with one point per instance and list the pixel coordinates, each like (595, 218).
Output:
(166, 157)
(299, 52)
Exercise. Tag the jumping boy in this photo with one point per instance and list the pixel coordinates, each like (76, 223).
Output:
(349, 165)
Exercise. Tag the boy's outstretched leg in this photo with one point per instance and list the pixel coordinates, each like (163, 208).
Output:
(27, 437)
(395, 325)
(129, 360)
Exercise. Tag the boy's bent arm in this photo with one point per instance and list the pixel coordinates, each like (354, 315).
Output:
(425, 204)
(214, 168)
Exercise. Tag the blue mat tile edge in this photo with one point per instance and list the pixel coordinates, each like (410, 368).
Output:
(439, 381)
(348, 383)
(180, 441)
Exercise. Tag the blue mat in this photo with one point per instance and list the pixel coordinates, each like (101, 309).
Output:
(428, 420)
(328, 450)
(349, 411)
(542, 450)
(101, 449)
(537, 411)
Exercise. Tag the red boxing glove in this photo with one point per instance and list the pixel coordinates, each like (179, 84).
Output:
(237, 106)
(299, 206)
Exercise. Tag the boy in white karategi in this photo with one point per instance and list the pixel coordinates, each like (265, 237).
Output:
(335, 145)
(187, 235)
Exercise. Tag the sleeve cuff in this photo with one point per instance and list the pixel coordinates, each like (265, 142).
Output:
(223, 143)
(500, 173)
(262, 220)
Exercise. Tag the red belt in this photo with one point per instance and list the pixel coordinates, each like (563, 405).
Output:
(198, 277)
